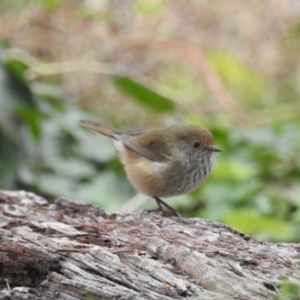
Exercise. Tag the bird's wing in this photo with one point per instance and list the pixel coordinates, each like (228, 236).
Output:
(134, 145)
(125, 137)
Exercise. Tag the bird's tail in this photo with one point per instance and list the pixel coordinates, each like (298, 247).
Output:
(98, 128)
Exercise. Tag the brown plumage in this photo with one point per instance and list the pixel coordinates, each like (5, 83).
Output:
(163, 162)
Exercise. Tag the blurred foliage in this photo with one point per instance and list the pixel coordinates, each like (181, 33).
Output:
(144, 64)
(288, 290)
(145, 95)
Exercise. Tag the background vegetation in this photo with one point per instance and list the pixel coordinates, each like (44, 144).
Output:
(230, 66)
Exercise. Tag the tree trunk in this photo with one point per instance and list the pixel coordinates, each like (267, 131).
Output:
(70, 250)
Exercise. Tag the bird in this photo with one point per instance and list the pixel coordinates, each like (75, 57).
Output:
(163, 162)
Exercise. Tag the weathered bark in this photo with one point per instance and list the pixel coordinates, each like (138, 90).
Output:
(70, 250)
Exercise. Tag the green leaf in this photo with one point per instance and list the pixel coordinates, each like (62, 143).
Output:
(289, 290)
(14, 90)
(266, 228)
(10, 157)
(14, 96)
(17, 68)
(241, 78)
(144, 95)
(32, 118)
(233, 169)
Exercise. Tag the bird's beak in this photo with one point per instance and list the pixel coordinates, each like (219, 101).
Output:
(214, 149)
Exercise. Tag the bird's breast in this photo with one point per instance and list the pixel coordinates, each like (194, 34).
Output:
(164, 179)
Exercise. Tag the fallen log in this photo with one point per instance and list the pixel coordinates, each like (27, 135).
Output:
(71, 250)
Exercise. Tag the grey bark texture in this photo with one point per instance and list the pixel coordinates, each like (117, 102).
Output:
(70, 250)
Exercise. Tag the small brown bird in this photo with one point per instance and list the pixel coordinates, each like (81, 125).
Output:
(163, 162)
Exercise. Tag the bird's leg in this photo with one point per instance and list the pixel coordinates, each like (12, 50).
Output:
(160, 207)
(161, 210)
(161, 203)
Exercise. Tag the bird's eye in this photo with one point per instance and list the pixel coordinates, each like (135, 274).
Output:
(196, 144)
